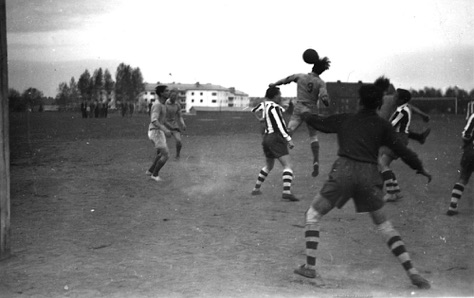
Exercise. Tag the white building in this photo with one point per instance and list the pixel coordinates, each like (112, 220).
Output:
(200, 96)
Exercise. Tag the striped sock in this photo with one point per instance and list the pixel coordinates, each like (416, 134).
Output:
(261, 177)
(287, 179)
(396, 187)
(396, 245)
(390, 182)
(312, 240)
(456, 194)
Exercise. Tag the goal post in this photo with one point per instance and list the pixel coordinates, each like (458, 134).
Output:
(4, 141)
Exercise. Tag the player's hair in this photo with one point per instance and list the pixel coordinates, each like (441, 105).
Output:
(160, 89)
(321, 66)
(383, 83)
(272, 92)
(404, 95)
(370, 96)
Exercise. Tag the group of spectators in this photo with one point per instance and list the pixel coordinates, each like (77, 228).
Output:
(94, 109)
(127, 108)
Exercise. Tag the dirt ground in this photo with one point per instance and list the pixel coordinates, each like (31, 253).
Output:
(87, 222)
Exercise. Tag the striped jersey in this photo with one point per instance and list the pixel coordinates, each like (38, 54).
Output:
(467, 133)
(401, 119)
(273, 118)
(309, 87)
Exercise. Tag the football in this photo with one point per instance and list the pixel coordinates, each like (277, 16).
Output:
(310, 56)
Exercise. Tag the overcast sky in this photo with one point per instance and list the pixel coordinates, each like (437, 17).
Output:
(242, 43)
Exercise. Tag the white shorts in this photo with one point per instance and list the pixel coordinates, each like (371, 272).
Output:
(158, 138)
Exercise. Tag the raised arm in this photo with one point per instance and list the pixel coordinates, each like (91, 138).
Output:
(287, 80)
(420, 113)
(329, 124)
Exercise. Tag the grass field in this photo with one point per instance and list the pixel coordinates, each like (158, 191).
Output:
(87, 222)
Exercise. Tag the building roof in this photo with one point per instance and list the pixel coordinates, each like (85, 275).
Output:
(196, 86)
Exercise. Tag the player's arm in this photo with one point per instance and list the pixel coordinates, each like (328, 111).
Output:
(420, 113)
(155, 114)
(277, 114)
(329, 124)
(258, 111)
(287, 80)
(180, 118)
(468, 131)
(406, 154)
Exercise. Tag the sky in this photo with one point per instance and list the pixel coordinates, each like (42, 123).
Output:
(245, 44)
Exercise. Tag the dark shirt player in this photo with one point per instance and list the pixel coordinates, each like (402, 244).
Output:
(355, 175)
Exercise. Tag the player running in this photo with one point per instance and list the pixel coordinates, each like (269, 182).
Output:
(157, 132)
(309, 89)
(355, 175)
(174, 120)
(467, 166)
(276, 141)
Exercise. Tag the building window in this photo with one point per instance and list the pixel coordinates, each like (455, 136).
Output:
(214, 101)
(192, 93)
(201, 93)
(214, 93)
(200, 100)
(192, 100)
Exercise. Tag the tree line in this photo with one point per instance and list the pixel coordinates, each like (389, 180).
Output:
(98, 87)
(128, 84)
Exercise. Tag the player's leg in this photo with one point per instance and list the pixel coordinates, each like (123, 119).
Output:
(389, 179)
(318, 208)
(159, 139)
(293, 124)
(419, 137)
(458, 189)
(314, 142)
(397, 246)
(179, 143)
(262, 175)
(152, 136)
(287, 178)
(164, 155)
(149, 172)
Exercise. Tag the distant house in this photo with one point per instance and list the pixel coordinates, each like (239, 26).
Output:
(344, 97)
(199, 96)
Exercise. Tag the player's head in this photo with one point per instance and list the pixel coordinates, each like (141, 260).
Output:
(370, 96)
(321, 65)
(403, 96)
(173, 94)
(162, 91)
(383, 83)
(273, 93)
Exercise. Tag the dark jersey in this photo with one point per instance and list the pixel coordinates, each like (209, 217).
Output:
(361, 135)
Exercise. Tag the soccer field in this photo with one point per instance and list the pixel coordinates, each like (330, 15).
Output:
(87, 222)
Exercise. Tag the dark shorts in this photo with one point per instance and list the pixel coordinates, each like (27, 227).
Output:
(355, 180)
(387, 151)
(467, 163)
(274, 146)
